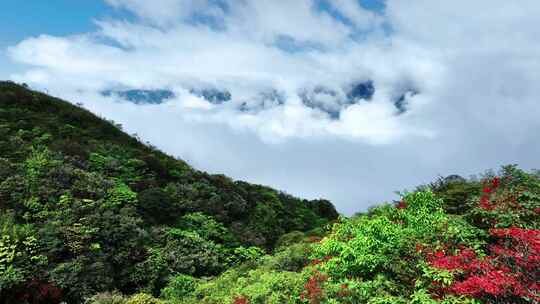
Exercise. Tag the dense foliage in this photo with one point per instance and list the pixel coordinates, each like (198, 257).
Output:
(485, 249)
(98, 218)
(86, 209)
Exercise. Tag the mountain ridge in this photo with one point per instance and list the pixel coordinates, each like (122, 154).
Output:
(74, 177)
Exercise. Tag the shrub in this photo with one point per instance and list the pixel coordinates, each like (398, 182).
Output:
(510, 272)
(107, 298)
(142, 298)
(156, 206)
(179, 286)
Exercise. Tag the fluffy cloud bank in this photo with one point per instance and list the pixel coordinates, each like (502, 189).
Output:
(455, 87)
(249, 49)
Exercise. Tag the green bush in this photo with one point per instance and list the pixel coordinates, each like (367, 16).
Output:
(258, 286)
(156, 206)
(142, 298)
(179, 287)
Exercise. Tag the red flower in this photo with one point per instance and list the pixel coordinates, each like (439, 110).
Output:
(485, 204)
(495, 283)
(509, 271)
(401, 205)
(315, 262)
(495, 182)
(241, 300)
(313, 290)
(452, 262)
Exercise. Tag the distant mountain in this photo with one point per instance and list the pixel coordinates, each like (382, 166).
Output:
(212, 95)
(332, 101)
(139, 96)
(402, 103)
(327, 100)
(362, 90)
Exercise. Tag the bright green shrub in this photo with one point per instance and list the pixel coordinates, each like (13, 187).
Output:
(291, 258)
(243, 254)
(376, 256)
(258, 286)
(142, 298)
(38, 162)
(422, 296)
(290, 238)
(19, 252)
(120, 195)
(179, 287)
(365, 245)
(277, 278)
(207, 227)
(361, 247)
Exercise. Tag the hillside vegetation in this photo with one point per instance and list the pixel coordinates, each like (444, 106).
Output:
(86, 208)
(420, 250)
(91, 215)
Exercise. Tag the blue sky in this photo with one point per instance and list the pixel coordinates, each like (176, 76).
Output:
(23, 19)
(467, 114)
(20, 19)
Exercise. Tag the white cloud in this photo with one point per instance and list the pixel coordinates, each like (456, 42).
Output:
(265, 20)
(361, 18)
(474, 65)
(165, 12)
(246, 64)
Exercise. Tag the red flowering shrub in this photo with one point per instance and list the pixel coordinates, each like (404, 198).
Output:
(494, 283)
(315, 262)
(488, 189)
(508, 201)
(240, 300)
(464, 260)
(510, 272)
(401, 204)
(313, 291)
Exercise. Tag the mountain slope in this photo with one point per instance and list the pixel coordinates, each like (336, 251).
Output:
(90, 215)
(85, 207)
(454, 241)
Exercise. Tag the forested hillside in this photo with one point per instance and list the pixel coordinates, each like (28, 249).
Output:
(453, 241)
(91, 215)
(86, 208)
